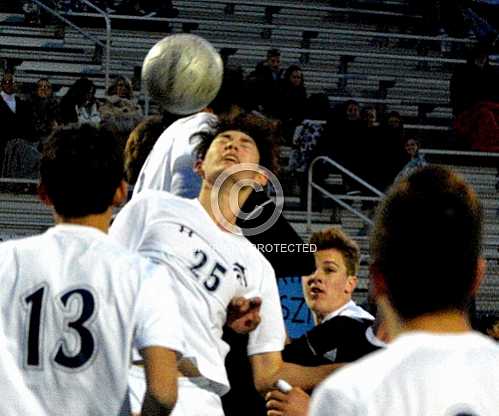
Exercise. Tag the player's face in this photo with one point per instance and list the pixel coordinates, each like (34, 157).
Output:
(229, 148)
(330, 287)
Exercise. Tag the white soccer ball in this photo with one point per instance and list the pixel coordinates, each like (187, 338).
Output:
(183, 72)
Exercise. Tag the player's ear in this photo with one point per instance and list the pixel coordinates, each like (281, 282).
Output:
(378, 281)
(481, 268)
(261, 178)
(42, 194)
(120, 194)
(198, 167)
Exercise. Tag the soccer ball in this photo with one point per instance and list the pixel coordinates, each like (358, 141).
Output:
(183, 73)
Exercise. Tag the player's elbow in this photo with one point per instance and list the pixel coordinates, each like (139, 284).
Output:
(264, 383)
(162, 400)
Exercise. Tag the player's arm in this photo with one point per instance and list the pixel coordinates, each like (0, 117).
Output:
(160, 365)
(268, 368)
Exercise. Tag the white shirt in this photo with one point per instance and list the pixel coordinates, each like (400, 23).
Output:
(10, 100)
(350, 309)
(211, 267)
(418, 374)
(73, 304)
(169, 166)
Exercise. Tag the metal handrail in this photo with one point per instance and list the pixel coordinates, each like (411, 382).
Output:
(108, 38)
(338, 198)
(106, 46)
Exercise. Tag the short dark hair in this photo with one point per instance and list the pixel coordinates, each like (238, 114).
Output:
(273, 52)
(80, 170)
(259, 128)
(139, 144)
(426, 242)
(335, 238)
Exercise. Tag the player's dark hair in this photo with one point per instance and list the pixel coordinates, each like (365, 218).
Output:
(139, 145)
(335, 238)
(80, 170)
(426, 242)
(259, 128)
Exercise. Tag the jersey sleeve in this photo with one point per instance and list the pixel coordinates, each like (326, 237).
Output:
(158, 316)
(270, 335)
(128, 225)
(340, 331)
(328, 401)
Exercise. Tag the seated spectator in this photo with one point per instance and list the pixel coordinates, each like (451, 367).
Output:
(474, 82)
(79, 104)
(416, 159)
(15, 114)
(306, 138)
(292, 96)
(264, 82)
(478, 127)
(120, 112)
(45, 108)
(22, 160)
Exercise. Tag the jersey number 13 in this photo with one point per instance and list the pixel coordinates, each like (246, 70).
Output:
(74, 323)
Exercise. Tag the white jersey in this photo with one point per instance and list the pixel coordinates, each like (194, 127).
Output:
(169, 166)
(417, 374)
(211, 266)
(73, 304)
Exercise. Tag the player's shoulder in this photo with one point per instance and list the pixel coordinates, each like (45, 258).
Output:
(361, 376)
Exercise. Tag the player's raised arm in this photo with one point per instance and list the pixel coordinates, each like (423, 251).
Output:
(269, 367)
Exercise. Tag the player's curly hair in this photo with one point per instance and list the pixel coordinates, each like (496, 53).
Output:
(139, 145)
(262, 130)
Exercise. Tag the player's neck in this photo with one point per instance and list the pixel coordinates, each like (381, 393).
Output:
(452, 321)
(99, 221)
(218, 202)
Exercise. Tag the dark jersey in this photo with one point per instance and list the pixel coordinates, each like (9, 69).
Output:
(340, 339)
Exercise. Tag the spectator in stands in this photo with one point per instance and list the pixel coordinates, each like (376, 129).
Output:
(264, 83)
(120, 112)
(474, 82)
(46, 111)
(79, 104)
(306, 138)
(426, 268)
(15, 114)
(416, 159)
(292, 96)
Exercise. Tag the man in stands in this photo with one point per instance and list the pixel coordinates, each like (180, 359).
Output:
(74, 302)
(426, 268)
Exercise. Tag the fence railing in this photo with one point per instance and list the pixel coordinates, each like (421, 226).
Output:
(339, 199)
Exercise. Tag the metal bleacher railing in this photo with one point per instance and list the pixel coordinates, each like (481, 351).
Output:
(106, 46)
(339, 199)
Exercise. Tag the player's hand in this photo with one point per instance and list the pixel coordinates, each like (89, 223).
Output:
(294, 403)
(243, 315)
